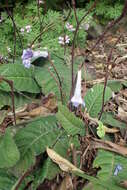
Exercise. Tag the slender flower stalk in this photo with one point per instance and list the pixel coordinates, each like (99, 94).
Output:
(77, 99)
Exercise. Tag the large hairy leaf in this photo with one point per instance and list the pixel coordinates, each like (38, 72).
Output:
(69, 121)
(9, 181)
(45, 78)
(22, 78)
(49, 169)
(47, 82)
(6, 100)
(9, 153)
(6, 180)
(108, 162)
(34, 138)
(93, 99)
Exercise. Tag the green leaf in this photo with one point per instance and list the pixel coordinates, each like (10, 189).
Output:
(124, 83)
(93, 99)
(72, 124)
(108, 118)
(34, 138)
(6, 180)
(45, 79)
(6, 100)
(27, 160)
(101, 185)
(108, 161)
(9, 153)
(115, 85)
(22, 78)
(49, 169)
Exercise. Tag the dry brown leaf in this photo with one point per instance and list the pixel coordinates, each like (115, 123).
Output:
(50, 102)
(64, 164)
(111, 130)
(122, 114)
(66, 184)
(124, 184)
(107, 145)
(40, 111)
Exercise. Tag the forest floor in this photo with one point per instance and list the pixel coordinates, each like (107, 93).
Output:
(112, 47)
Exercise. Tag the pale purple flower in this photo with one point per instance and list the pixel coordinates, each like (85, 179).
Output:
(64, 40)
(27, 63)
(40, 54)
(26, 57)
(117, 169)
(86, 26)
(77, 100)
(22, 30)
(70, 27)
(28, 54)
(40, 2)
(61, 40)
(28, 28)
(9, 49)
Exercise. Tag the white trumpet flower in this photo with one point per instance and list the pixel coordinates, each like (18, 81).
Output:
(77, 99)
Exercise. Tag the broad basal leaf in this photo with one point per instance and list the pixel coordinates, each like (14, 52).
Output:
(6, 100)
(93, 99)
(22, 78)
(49, 169)
(108, 162)
(9, 153)
(46, 74)
(35, 137)
(69, 121)
(6, 180)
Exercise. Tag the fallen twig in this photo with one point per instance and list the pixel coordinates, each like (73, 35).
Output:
(107, 145)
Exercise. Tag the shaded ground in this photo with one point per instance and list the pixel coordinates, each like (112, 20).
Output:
(96, 67)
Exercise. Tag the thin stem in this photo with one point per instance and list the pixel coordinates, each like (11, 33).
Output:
(16, 29)
(38, 8)
(27, 173)
(10, 83)
(59, 79)
(106, 77)
(73, 46)
(74, 8)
